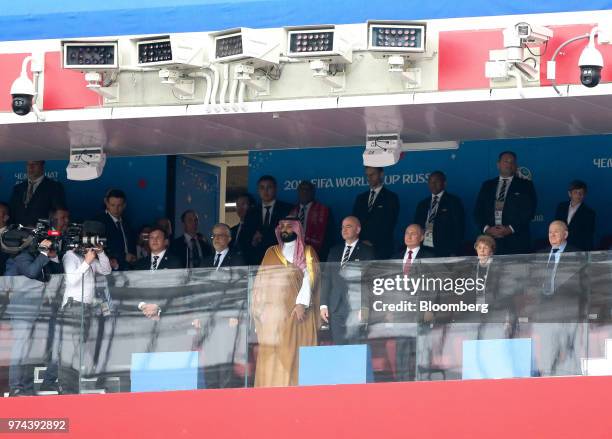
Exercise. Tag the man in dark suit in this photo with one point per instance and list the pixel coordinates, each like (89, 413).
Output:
(505, 207)
(36, 197)
(377, 210)
(335, 306)
(244, 204)
(191, 248)
(159, 259)
(261, 223)
(579, 217)
(412, 267)
(120, 239)
(224, 255)
(557, 307)
(442, 217)
(413, 248)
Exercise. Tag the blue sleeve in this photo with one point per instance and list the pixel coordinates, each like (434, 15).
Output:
(28, 266)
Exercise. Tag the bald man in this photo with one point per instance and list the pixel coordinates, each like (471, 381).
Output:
(334, 294)
(557, 238)
(557, 308)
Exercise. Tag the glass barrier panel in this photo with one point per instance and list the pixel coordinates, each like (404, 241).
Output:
(28, 331)
(598, 360)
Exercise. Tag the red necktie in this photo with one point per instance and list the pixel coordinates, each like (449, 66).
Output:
(408, 263)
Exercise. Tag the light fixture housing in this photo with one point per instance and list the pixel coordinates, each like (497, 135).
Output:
(90, 55)
(176, 51)
(320, 42)
(397, 37)
(252, 46)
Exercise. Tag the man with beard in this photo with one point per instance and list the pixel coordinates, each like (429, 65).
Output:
(285, 305)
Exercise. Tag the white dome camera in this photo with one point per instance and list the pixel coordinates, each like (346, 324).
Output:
(590, 63)
(22, 92)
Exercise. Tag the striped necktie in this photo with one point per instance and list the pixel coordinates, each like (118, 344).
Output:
(501, 197)
(433, 209)
(154, 263)
(346, 255)
(371, 200)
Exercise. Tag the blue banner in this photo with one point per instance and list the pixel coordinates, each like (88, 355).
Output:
(551, 163)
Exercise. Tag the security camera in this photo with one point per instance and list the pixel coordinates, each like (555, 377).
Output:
(590, 63)
(24, 90)
(23, 93)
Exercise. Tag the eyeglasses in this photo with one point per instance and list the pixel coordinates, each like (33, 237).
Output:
(219, 235)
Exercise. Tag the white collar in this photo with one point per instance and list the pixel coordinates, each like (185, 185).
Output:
(188, 237)
(376, 189)
(353, 244)
(439, 195)
(414, 250)
(271, 204)
(160, 254)
(222, 252)
(37, 181)
(114, 218)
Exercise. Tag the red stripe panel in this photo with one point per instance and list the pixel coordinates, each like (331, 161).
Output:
(572, 407)
(462, 56)
(65, 89)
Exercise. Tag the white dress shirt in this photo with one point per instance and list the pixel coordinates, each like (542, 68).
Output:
(439, 195)
(352, 245)
(571, 211)
(81, 277)
(414, 253)
(497, 191)
(500, 183)
(303, 297)
(36, 183)
(263, 210)
(188, 241)
(159, 255)
(376, 190)
(221, 258)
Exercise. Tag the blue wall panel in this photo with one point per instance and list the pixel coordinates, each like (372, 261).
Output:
(552, 162)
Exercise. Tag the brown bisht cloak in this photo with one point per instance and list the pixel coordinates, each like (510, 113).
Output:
(279, 334)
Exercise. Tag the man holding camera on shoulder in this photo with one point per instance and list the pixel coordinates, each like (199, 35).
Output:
(32, 265)
(81, 266)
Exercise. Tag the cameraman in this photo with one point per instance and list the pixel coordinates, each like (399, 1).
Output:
(36, 264)
(81, 267)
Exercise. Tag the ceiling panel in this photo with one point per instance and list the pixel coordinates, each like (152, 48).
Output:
(311, 128)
